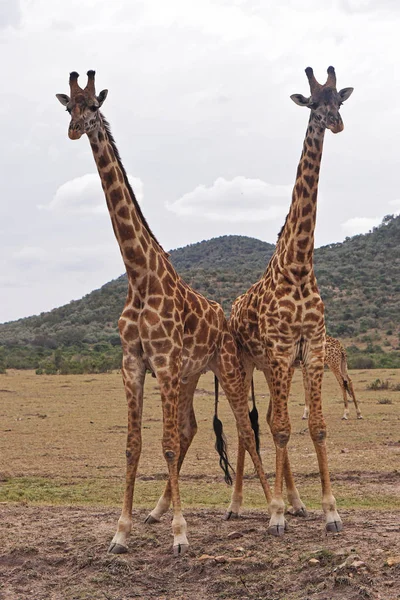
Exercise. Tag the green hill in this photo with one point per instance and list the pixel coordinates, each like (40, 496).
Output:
(359, 281)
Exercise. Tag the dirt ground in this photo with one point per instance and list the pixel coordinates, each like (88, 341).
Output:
(62, 461)
(59, 553)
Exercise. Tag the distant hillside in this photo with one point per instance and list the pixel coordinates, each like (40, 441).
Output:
(359, 281)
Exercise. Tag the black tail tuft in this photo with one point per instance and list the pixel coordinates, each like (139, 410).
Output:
(253, 414)
(346, 386)
(221, 448)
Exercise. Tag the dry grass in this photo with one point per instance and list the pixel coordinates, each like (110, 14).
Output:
(63, 442)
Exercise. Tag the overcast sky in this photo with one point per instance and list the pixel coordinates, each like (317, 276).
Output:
(199, 106)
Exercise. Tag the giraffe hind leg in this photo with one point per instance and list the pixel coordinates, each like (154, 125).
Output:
(237, 492)
(231, 374)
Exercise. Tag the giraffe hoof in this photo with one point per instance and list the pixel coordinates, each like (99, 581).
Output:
(334, 526)
(229, 515)
(117, 549)
(150, 520)
(277, 530)
(345, 418)
(180, 549)
(360, 417)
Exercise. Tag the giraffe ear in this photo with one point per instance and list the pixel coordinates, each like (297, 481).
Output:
(63, 98)
(102, 96)
(345, 93)
(301, 100)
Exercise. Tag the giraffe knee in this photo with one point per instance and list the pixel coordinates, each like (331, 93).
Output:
(318, 435)
(169, 455)
(281, 438)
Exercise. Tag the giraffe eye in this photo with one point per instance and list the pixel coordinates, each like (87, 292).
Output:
(93, 108)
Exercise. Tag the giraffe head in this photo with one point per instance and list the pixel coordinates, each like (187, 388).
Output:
(325, 101)
(83, 105)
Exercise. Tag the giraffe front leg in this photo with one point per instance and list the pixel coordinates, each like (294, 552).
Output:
(306, 393)
(279, 378)
(133, 373)
(187, 431)
(169, 388)
(345, 400)
(317, 428)
(297, 508)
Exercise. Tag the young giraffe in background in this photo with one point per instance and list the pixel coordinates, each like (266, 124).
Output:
(280, 319)
(165, 327)
(336, 360)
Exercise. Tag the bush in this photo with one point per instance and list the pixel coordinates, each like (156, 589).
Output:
(379, 384)
(361, 362)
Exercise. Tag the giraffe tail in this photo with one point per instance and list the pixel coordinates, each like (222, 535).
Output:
(220, 441)
(253, 414)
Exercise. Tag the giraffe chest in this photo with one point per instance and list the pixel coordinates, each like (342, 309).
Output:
(170, 334)
(281, 319)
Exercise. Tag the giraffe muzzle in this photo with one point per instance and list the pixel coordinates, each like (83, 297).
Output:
(74, 133)
(335, 124)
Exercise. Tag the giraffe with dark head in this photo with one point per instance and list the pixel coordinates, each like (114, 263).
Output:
(165, 327)
(280, 319)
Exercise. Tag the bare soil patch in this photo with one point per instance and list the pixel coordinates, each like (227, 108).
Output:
(62, 463)
(59, 553)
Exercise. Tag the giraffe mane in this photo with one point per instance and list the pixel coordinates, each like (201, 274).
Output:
(128, 185)
(282, 228)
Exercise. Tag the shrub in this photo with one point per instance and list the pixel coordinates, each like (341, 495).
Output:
(385, 401)
(361, 362)
(379, 384)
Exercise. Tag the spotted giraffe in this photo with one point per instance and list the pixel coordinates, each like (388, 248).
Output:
(165, 327)
(336, 360)
(280, 319)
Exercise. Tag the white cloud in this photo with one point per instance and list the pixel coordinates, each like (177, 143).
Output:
(209, 95)
(358, 225)
(30, 255)
(239, 199)
(84, 195)
(395, 204)
(10, 13)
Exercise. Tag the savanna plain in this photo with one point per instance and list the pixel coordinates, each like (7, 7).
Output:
(62, 464)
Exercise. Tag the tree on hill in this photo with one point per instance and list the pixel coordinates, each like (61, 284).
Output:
(359, 281)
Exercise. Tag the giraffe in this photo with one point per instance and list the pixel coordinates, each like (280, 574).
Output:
(280, 319)
(336, 360)
(165, 327)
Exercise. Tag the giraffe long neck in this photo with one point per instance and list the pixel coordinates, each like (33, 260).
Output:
(295, 246)
(136, 241)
